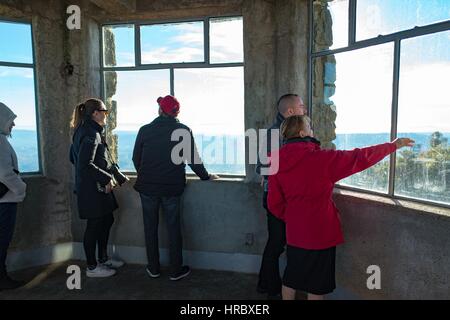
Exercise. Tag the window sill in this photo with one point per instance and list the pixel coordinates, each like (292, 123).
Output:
(193, 177)
(224, 178)
(408, 204)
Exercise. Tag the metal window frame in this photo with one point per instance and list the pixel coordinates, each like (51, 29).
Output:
(138, 65)
(396, 38)
(32, 66)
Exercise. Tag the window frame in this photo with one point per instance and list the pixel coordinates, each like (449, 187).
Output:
(352, 44)
(170, 66)
(35, 87)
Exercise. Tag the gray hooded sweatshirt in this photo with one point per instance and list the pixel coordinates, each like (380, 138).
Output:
(8, 160)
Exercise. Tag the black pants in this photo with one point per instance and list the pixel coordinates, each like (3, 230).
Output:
(8, 212)
(171, 211)
(269, 274)
(97, 235)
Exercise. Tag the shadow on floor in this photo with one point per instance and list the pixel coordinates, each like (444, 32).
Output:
(131, 282)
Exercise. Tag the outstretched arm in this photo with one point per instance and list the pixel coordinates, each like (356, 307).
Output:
(341, 164)
(195, 162)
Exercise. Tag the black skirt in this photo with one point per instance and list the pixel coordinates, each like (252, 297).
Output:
(311, 271)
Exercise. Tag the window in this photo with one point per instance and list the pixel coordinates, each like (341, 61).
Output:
(381, 17)
(424, 114)
(387, 79)
(201, 63)
(17, 91)
(173, 42)
(118, 46)
(334, 14)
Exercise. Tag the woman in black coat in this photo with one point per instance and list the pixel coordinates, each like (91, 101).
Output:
(94, 182)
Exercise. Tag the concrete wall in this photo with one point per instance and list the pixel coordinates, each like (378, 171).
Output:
(409, 244)
(408, 241)
(45, 217)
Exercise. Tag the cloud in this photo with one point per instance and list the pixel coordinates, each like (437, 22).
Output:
(168, 55)
(190, 34)
(16, 72)
(226, 41)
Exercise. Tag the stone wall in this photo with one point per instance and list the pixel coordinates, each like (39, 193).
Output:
(324, 76)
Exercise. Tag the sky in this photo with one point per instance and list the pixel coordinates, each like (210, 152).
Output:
(364, 77)
(17, 84)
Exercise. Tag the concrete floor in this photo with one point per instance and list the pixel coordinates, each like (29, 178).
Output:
(131, 282)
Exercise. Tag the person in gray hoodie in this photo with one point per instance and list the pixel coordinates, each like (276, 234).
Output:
(13, 192)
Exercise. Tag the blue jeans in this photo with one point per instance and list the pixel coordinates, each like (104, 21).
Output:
(171, 211)
(8, 212)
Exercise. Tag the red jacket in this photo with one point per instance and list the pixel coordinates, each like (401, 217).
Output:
(300, 192)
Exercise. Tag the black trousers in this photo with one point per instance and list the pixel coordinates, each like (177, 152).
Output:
(269, 274)
(171, 211)
(96, 236)
(8, 212)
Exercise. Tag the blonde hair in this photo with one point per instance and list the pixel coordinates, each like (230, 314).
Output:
(84, 111)
(292, 125)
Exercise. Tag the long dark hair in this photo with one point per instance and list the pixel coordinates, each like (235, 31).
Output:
(84, 111)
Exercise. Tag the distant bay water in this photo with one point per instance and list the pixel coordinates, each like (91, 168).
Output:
(230, 160)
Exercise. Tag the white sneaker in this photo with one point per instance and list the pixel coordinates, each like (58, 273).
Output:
(100, 272)
(114, 264)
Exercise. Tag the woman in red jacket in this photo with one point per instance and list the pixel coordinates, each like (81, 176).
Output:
(300, 193)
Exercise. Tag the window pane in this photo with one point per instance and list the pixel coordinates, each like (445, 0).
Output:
(375, 17)
(226, 40)
(17, 92)
(424, 115)
(172, 43)
(135, 97)
(212, 105)
(330, 24)
(15, 42)
(118, 45)
(356, 88)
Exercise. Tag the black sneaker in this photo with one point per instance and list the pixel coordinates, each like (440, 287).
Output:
(6, 283)
(152, 274)
(184, 272)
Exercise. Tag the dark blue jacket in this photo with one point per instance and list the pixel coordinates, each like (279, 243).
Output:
(266, 146)
(157, 175)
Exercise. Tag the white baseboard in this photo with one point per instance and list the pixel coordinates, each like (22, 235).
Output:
(60, 252)
(238, 262)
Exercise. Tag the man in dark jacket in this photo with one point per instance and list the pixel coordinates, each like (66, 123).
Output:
(269, 275)
(161, 181)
